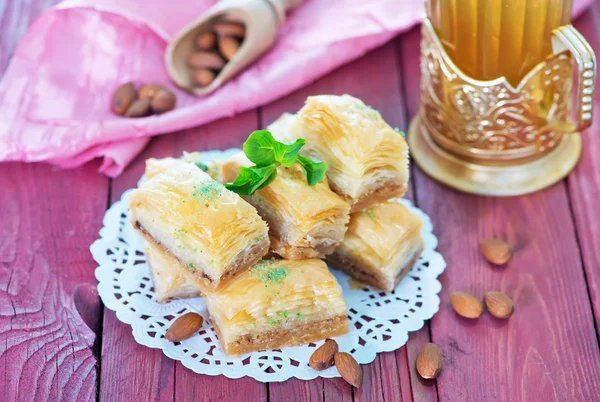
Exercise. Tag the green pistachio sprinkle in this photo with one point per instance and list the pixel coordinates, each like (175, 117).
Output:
(180, 233)
(298, 315)
(207, 190)
(268, 273)
(400, 132)
(280, 316)
(190, 266)
(370, 214)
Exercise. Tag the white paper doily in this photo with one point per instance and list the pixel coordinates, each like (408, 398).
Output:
(379, 321)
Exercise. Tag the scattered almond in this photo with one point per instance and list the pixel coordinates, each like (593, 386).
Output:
(228, 46)
(349, 368)
(230, 28)
(205, 60)
(149, 90)
(429, 362)
(202, 77)
(466, 305)
(206, 41)
(322, 358)
(184, 327)
(139, 108)
(496, 251)
(122, 98)
(163, 101)
(498, 304)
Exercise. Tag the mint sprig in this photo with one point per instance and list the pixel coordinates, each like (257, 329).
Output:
(268, 154)
(315, 171)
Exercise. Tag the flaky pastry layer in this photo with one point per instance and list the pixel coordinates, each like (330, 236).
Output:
(274, 299)
(209, 229)
(364, 155)
(169, 278)
(381, 245)
(304, 221)
(278, 338)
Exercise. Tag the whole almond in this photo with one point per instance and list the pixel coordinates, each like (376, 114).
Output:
(349, 368)
(498, 304)
(184, 327)
(149, 90)
(230, 28)
(496, 251)
(139, 108)
(228, 46)
(205, 60)
(429, 362)
(322, 358)
(206, 40)
(122, 98)
(466, 305)
(163, 101)
(202, 77)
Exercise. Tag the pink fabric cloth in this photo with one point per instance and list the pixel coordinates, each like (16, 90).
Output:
(55, 95)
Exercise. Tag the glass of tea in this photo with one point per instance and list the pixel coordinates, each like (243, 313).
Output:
(498, 83)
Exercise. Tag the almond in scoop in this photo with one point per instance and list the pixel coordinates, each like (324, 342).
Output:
(204, 59)
(228, 46)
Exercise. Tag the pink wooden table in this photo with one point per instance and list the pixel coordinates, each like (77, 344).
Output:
(549, 349)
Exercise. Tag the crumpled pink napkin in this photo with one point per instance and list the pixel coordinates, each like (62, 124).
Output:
(55, 95)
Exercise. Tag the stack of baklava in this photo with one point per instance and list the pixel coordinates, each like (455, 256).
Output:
(203, 239)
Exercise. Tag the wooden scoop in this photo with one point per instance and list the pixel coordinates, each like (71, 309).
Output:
(261, 19)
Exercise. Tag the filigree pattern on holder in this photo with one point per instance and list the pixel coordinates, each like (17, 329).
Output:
(484, 119)
(379, 321)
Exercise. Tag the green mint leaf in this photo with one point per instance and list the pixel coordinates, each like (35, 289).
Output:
(252, 179)
(290, 152)
(202, 166)
(260, 148)
(315, 171)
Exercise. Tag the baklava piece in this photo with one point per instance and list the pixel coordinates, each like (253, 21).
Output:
(381, 245)
(304, 221)
(367, 160)
(277, 303)
(207, 228)
(169, 278)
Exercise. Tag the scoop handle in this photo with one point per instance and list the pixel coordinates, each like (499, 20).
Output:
(282, 6)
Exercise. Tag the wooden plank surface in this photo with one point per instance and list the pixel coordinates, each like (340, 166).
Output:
(49, 219)
(549, 350)
(584, 182)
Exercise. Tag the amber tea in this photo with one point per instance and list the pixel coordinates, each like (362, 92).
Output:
(488, 39)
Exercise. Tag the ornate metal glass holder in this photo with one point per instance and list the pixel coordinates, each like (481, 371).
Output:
(489, 138)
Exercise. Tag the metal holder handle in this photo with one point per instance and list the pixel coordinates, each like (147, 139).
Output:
(567, 38)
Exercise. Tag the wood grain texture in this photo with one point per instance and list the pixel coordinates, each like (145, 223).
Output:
(15, 18)
(134, 372)
(548, 349)
(49, 218)
(584, 182)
